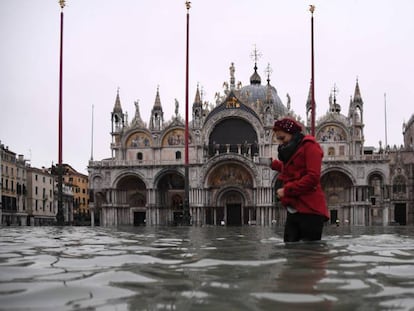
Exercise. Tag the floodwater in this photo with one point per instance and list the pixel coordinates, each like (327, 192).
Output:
(205, 268)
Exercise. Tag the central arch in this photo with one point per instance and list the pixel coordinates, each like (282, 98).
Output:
(231, 186)
(338, 191)
(170, 198)
(231, 135)
(230, 207)
(131, 195)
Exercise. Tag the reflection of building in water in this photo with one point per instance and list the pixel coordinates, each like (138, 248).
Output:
(230, 181)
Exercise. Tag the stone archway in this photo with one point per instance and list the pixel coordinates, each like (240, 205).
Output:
(131, 191)
(130, 197)
(170, 198)
(338, 192)
(231, 187)
(232, 202)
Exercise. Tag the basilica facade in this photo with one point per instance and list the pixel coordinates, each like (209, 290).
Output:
(230, 144)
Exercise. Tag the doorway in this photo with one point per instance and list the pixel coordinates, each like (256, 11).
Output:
(334, 216)
(234, 214)
(400, 214)
(139, 218)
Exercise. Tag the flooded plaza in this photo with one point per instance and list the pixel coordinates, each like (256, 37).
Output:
(205, 268)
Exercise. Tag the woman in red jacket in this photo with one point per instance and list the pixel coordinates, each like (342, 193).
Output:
(298, 184)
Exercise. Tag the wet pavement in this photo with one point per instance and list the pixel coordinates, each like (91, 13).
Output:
(205, 268)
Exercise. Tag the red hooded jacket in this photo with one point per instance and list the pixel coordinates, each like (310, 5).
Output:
(301, 178)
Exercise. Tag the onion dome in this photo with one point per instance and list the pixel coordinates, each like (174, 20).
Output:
(256, 93)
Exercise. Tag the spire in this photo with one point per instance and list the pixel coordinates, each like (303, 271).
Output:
(117, 116)
(117, 106)
(197, 99)
(198, 108)
(157, 102)
(357, 93)
(157, 115)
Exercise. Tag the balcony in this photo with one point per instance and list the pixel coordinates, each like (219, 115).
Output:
(247, 150)
(364, 157)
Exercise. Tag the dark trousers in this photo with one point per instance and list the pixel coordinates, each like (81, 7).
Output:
(303, 227)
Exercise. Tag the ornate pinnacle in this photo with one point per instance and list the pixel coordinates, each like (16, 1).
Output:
(268, 72)
(62, 4)
(311, 8)
(255, 55)
(188, 5)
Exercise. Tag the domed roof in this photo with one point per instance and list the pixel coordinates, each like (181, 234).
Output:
(256, 92)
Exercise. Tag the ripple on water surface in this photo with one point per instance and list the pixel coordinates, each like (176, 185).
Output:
(204, 268)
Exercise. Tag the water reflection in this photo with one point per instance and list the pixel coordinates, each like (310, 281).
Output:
(205, 268)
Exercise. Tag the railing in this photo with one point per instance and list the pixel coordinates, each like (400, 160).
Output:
(247, 150)
(364, 157)
(126, 163)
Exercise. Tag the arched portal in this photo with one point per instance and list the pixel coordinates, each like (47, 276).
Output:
(131, 195)
(132, 191)
(171, 197)
(231, 187)
(337, 187)
(233, 135)
(232, 203)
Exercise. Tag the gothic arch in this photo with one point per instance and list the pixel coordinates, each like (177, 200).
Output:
(399, 184)
(337, 187)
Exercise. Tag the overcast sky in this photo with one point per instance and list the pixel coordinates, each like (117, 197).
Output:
(137, 45)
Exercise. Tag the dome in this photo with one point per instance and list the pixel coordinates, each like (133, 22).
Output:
(256, 92)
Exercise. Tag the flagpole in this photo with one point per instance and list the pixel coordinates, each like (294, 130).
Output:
(385, 120)
(312, 9)
(186, 205)
(92, 136)
(59, 216)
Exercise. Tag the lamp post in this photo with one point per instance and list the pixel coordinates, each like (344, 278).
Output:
(312, 9)
(59, 216)
(186, 207)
